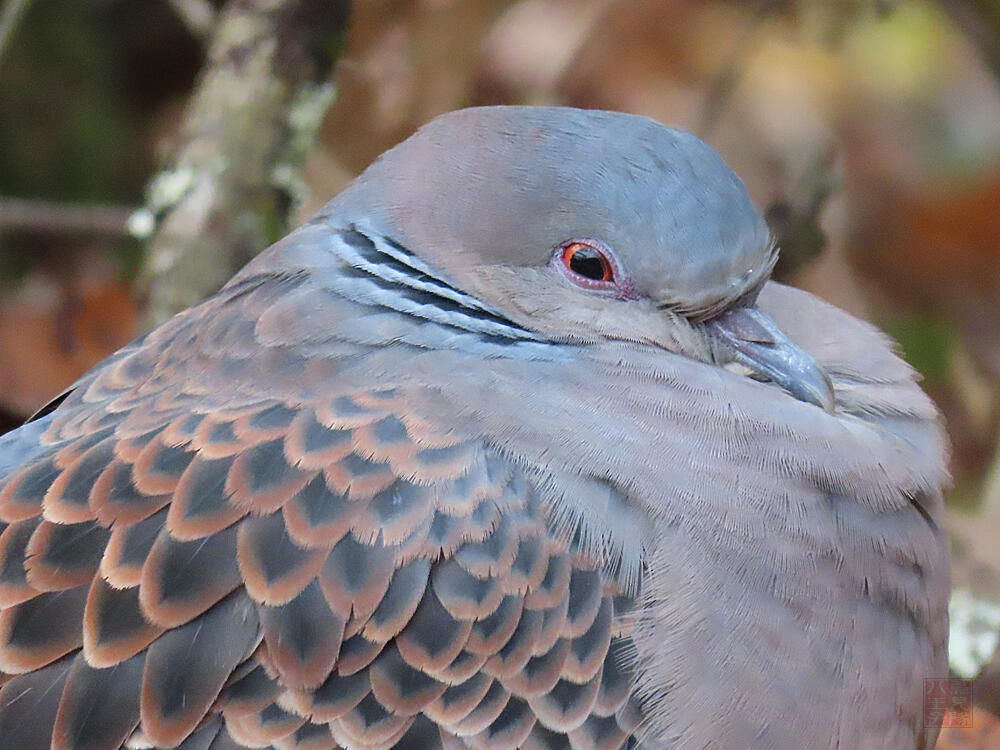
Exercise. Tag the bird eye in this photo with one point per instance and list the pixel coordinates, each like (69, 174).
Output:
(583, 259)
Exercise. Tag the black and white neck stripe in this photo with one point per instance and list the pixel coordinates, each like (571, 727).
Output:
(380, 272)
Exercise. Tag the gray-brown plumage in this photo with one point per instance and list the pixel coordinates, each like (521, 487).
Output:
(508, 447)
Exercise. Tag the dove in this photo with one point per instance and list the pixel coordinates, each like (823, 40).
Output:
(514, 444)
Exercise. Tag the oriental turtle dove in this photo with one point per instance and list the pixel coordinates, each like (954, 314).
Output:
(512, 445)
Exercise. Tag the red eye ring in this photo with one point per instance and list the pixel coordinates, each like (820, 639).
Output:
(588, 262)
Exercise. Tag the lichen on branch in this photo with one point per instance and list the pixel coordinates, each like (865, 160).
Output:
(234, 180)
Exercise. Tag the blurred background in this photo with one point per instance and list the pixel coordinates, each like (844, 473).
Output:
(869, 133)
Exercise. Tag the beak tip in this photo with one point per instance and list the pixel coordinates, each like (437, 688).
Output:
(808, 382)
(824, 397)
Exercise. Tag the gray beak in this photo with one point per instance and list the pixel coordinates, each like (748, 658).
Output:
(748, 336)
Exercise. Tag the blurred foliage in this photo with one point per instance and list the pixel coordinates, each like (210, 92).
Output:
(66, 132)
(868, 131)
(81, 85)
(925, 341)
(89, 91)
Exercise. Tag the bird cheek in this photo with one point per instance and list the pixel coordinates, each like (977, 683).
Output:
(665, 332)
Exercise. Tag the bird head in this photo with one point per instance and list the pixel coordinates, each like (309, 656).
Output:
(586, 226)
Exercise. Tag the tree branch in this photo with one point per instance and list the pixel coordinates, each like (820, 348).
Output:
(197, 15)
(71, 218)
(10, 17)
(235, 179)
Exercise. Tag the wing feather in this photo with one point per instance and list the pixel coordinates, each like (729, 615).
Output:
(247, 566)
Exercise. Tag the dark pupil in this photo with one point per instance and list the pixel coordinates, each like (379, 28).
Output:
(587, 262)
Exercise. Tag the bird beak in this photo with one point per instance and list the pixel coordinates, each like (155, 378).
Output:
(748, 336)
